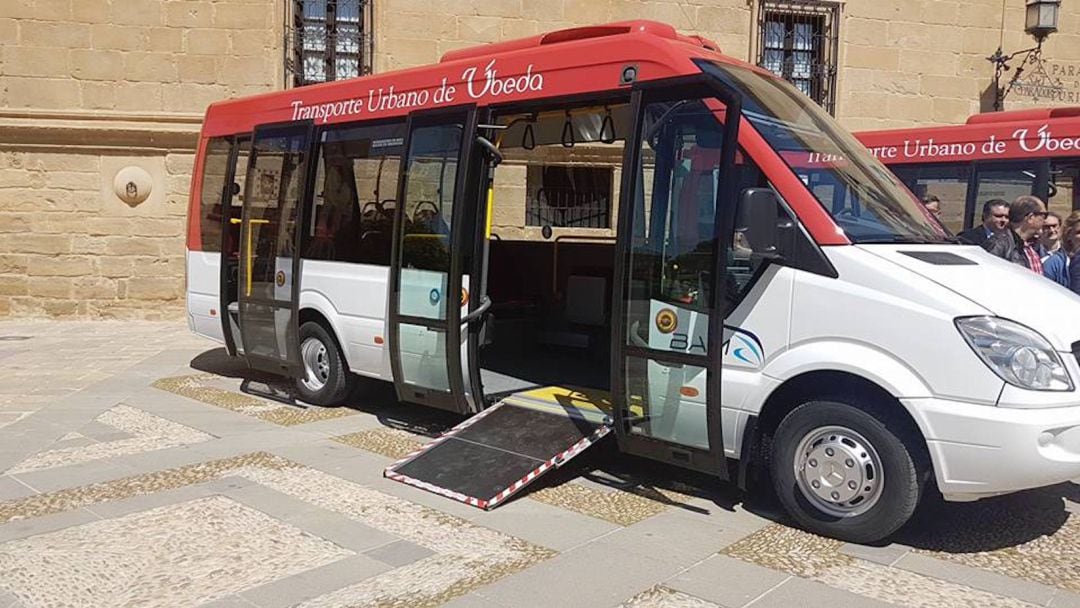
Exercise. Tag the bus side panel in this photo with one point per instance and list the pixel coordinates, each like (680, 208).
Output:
(203, 287)
(353, 298)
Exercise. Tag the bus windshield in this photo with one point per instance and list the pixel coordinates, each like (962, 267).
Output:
(864, 199)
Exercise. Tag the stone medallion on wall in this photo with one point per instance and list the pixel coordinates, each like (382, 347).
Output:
(134, 186)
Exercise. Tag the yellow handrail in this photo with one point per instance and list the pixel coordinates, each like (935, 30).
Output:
(249, 261)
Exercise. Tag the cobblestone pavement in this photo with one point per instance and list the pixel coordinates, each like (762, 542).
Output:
(134, 472)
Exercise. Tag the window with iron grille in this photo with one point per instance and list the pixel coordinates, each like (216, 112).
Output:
(798, 41)
(569, 197)
(328, 40)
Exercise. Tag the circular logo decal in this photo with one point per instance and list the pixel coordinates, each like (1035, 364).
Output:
(434, 297)
(666, 321)
(464, 296)
(280, 278)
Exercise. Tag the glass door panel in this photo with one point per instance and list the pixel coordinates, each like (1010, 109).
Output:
(427, 299)
(268, 229)
(669, 402)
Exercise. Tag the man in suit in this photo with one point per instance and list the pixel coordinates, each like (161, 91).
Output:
(995, 219)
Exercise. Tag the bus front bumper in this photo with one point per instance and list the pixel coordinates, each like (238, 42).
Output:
(983, 450)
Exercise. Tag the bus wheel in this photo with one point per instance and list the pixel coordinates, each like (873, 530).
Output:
(842, 472)
(326, 381)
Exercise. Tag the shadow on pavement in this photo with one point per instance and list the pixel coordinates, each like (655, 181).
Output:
(988, 524)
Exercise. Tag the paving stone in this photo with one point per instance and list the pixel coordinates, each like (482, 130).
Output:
(886, 555)
(801, 592)
(399, 553)
(176, 555)
(95, 429)
(729, 582)
(585, 577)
(543, 524)
(1065, 599)
(24, 528)
(11, 488)
(976, 578)
(313, 583)
(334, 527)
(681, 540)
(343, 425)
(473, 600)
(49, 480)
(232, 601)
(319, 453)
(145, 502)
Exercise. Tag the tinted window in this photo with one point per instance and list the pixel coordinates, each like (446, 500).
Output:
(865, 200)
(429, 197)
(215, 168)
(1005, 180)
(1064, 186)
(948, 182)
(353, 211)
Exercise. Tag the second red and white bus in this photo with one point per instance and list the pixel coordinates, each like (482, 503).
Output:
(995, 155)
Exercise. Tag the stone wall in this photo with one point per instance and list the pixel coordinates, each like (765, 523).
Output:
(906, 63)
(90, 87)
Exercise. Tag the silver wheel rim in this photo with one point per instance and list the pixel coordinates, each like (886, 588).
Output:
(316, 364)
(838, 471)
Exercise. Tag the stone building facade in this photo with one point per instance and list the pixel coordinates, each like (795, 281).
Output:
(90, 89)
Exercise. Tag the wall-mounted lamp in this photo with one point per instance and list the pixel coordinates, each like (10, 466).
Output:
(1040, 21)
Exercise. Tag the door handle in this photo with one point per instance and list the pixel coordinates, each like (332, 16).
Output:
(485, 304)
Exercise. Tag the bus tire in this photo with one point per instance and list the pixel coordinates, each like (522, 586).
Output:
(843, 472)
(326, 380)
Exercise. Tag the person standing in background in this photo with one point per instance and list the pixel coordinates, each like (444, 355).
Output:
(1026, 215)
(1070, 250)
(1050, 238)
(995, 218)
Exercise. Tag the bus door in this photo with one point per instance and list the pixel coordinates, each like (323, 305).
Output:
(231, 218)
(437, 197)
(676, 227)
(269, 270)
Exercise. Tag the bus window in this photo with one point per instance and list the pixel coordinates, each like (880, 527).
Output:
(948, 182)
(236, 201)
(215, 169)
(352, 215)
(430, 181)
(1065, 186)
(1004, 180)
(672, 245)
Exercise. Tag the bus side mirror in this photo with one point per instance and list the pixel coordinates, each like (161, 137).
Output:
(756, 221)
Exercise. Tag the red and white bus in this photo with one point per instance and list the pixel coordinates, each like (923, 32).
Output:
(995, 155)
(750, 285)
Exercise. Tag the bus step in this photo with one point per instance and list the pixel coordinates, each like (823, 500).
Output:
(268, 391)
(490, 457)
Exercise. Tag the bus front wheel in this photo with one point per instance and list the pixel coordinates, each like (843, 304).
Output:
(325, 380)
(843, 472)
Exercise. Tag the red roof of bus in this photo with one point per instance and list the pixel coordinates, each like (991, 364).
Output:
(1034, 133)
(564, 62)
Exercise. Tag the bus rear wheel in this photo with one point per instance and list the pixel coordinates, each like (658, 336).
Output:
(326, 380)
(843, 472)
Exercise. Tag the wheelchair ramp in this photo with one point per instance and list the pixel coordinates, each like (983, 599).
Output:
(488, 458)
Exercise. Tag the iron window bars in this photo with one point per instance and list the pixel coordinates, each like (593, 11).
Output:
(798, 41)
(328, 40)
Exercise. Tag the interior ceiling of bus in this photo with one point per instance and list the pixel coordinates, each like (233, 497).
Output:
(592, 125)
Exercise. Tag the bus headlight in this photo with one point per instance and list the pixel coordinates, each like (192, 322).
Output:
(1016, 353)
